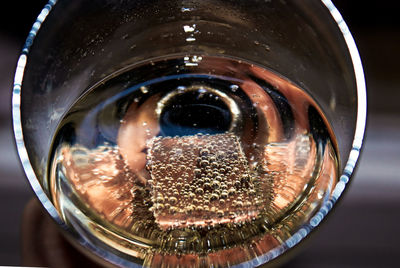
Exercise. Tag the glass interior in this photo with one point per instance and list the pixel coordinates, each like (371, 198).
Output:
(83, 42)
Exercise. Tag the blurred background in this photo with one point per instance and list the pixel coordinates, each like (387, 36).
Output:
(363, 231)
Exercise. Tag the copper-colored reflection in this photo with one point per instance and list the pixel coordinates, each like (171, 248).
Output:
(292, 165)
(103, 182)
(139, 125)
(205, 193)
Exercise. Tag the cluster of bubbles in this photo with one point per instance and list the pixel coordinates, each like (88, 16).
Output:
(201, 180)
(200, 187)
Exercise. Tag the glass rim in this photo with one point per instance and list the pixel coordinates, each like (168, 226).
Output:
(307, 227)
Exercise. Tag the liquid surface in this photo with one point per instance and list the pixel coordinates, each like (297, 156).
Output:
(192, 160)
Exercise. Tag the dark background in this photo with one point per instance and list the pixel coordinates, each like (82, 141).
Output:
(364, 230)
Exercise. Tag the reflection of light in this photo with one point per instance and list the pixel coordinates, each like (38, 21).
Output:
(192, 61)
(196, 58)
(188, 28)
(190, 39)
(100, 183)
(186, 9)
(169, 221)
(293, 162)
(281, 202)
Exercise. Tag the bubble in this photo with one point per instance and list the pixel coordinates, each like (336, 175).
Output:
(160, 199)
(215, 184)
(234, 88)
(173, 200)
(182, 167)
(214, 196)
(239, 203)
(199, 191)
(158, 188)
(224, 194)
(259, 202)
(189, 208)
(232, 191)
(220, 154)
(144, 89)
(245, 178)
(237, 183)
(204, 152)
(173, 210)
(220, 213)
(159, 206)
(204, 163)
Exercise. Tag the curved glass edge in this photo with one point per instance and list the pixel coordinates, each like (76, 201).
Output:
(86, 242)
(354, 153)
(272, 254)
(16, 114)
(361, 100)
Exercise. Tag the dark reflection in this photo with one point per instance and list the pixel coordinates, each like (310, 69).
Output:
(195, 112)
(281, 104)
(317, 126)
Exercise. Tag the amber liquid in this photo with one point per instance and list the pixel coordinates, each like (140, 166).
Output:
(192, 160)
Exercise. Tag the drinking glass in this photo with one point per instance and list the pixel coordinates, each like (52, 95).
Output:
(268, 96)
